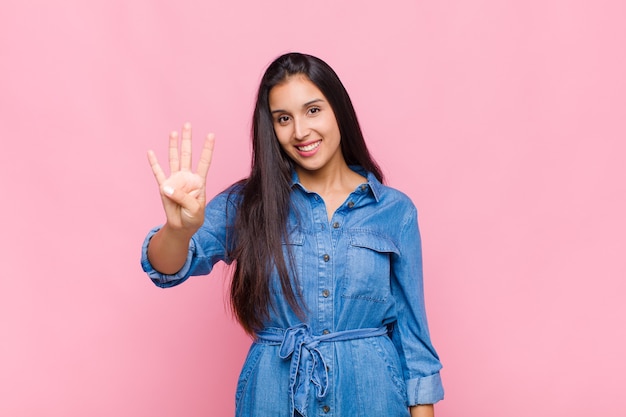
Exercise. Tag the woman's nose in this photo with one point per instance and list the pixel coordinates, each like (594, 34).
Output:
(301, 129)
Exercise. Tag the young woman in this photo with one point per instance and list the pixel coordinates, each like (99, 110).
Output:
(327, 260)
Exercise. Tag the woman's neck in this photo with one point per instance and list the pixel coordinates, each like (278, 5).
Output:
(334, 186)
(330, 180)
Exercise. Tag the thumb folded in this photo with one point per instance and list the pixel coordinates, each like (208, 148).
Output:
(187, 201)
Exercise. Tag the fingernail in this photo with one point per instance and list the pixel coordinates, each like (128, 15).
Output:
(187, 126)
(168, 189)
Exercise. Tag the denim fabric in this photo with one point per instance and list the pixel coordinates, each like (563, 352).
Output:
(361, 270)
(307, 362)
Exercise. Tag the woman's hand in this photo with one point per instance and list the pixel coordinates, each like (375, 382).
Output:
(183, 192)
(184, 199)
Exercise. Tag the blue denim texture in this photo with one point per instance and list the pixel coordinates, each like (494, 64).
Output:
(361, 270)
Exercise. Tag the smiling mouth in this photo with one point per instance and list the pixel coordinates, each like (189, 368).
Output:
(309, 147)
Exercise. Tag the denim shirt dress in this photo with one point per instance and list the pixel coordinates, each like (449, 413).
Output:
(364, 348)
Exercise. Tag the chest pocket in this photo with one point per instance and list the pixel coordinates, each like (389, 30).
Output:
(295, 245)
(368, 267)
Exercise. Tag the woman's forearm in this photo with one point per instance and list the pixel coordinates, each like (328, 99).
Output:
(168, 249)
(427, 410)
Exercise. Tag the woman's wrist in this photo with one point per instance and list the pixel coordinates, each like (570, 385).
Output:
(423, 410)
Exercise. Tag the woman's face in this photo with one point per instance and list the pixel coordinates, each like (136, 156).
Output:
(305, 124)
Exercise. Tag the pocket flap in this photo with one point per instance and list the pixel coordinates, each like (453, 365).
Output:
(373, 241)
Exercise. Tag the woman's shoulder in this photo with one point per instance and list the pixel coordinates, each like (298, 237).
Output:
(230, 196)
(387, 194)
(395, 193)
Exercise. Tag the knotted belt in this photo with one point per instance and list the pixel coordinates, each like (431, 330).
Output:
(307, 362)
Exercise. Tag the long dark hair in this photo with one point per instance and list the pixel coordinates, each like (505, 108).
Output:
(261, 219)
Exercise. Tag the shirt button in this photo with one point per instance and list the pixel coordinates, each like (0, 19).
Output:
(325, 293)
(326, 258)
(336, 225)
(350, 204)
(326, 409)
(326, 331)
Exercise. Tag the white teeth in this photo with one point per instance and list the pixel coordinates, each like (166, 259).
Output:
(310, 147)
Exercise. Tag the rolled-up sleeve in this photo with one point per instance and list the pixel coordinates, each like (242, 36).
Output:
(207, 246)
(410, 335)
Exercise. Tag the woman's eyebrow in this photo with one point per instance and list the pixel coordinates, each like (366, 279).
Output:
(307, 104)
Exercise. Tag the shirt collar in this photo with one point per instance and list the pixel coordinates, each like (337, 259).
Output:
(372, 182)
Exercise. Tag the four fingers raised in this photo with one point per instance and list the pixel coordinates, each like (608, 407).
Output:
(182, 161)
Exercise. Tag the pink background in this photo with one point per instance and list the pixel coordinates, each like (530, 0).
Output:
(505, 121)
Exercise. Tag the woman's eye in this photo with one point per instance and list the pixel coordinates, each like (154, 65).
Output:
(283, 119)
(314, 110)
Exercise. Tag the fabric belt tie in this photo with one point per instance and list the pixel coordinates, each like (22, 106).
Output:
(307, 362)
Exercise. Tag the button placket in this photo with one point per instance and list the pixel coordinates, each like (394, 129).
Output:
(326, 234)
(325, 277)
